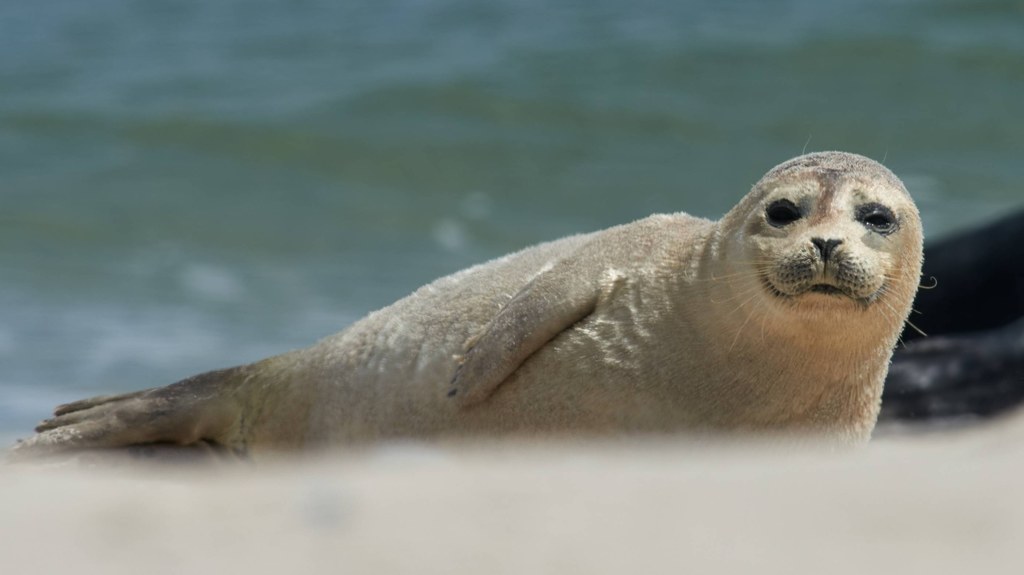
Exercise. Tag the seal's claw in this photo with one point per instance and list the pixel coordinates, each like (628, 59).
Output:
(456, 380)
(67, 418)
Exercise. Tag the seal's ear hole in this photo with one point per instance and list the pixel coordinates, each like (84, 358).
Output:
(781, 213)
(877, 218)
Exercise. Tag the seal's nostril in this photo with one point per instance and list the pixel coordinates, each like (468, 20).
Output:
(825, 247)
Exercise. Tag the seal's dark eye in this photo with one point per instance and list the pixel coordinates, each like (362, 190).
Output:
(877, 218)
(782, 213)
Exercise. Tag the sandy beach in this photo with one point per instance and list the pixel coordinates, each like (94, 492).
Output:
(944, 502)
(194, 185)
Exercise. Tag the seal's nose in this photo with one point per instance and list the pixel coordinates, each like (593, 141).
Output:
(825, 247)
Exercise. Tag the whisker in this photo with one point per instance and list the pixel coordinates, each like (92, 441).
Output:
(895, 314)
(764, 321)
(744, 295)
(917, 329)
(732, 276)
(745, 322)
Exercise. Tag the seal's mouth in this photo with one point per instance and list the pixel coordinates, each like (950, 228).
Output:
(827, 289)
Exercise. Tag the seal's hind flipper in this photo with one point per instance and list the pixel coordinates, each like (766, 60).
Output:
(198, 409)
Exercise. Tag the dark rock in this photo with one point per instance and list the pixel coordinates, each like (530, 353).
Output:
(972, 362)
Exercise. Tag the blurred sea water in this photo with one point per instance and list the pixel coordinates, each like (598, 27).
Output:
(189, 185)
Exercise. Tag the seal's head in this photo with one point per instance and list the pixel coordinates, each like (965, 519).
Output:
(830, 230)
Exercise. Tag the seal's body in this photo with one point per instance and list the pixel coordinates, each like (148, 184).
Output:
(781, 317)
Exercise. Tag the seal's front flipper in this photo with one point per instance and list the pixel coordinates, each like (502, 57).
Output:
(551, 303)
(198, 409)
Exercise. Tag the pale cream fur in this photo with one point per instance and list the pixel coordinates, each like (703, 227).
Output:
(664, 324)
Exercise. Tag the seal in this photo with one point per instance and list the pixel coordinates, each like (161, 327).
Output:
(956, 378)
(971, 365)
(780, 317)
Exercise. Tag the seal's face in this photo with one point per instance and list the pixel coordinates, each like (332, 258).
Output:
(828, 235)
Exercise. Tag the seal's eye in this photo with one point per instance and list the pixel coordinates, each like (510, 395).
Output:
(782, 213)
(877, 218)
